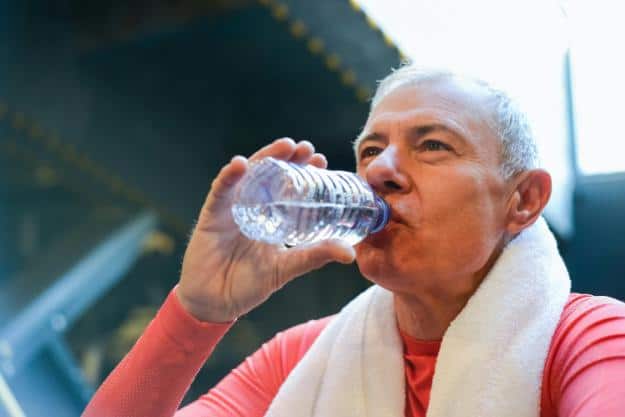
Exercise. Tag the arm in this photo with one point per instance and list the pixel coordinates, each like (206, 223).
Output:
(223, 276)
(171, 352)
(154, 376)
(588, 372)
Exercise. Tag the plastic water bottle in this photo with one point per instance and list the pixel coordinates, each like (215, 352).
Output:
(284, 203)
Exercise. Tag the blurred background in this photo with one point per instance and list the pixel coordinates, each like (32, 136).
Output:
(116, 115)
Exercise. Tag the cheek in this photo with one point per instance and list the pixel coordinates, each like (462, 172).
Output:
(461, 199)
(463, 227)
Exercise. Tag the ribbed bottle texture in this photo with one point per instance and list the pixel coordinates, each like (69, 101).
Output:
(284, 203)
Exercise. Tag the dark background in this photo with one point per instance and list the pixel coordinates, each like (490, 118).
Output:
(110, 109)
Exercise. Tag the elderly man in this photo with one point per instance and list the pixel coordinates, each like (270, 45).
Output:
(471, 314)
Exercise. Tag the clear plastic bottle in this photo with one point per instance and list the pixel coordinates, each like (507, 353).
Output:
(285, 203)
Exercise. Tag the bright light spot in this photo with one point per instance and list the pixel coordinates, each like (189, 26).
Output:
(598, 81)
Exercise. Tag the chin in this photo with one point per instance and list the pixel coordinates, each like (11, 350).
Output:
(386, 259)
(388, 274)
(375, 260)
(382, 275)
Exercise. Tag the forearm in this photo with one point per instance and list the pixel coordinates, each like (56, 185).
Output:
(154, 376)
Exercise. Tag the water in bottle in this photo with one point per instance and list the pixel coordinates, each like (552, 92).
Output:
(284, 203)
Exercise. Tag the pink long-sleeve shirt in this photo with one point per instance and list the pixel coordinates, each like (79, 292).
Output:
(584, 375)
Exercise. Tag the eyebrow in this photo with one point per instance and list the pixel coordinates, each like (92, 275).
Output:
(415, 132)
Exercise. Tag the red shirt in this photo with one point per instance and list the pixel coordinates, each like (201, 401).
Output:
(584, 374)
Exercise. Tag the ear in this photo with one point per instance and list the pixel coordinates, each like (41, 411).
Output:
(531, 193)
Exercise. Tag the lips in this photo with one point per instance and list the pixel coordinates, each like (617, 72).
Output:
(396, 218)
(394, 221)
(395, 215)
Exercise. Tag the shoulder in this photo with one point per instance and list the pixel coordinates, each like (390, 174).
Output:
(587, 320)
(249, 389)
(587, 317)
(584, 304)
(275, 359)
(589, 338)
(293, 343)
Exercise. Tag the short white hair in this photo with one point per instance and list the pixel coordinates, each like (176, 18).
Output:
(518, 150)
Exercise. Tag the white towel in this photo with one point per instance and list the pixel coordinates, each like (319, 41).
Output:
(491, 358)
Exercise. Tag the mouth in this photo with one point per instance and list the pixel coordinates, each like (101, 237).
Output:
(393, 223)
(395, 216)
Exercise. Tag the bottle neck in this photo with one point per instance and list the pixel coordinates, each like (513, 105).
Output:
(384, 214)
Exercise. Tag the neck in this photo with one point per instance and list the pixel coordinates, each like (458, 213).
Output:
(426, 316)
(425, 319)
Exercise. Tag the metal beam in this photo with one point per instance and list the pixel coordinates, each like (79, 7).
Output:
(29, 324)
(8, 401)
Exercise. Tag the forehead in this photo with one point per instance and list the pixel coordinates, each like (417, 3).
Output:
(461, 105)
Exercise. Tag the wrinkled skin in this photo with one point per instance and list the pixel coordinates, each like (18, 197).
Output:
(430, 151)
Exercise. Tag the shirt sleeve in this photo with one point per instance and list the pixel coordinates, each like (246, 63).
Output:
(588, 369)
(153, 377)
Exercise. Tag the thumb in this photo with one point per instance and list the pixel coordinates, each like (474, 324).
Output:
(305, 258)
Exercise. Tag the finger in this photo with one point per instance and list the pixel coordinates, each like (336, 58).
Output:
(303, 151)
(223, 185)
(319, 160)
(280, 149)
(302, 259)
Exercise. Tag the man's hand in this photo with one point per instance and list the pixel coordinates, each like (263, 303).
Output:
(224, 274)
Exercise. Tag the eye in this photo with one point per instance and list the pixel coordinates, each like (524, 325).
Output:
(370, 151)
(435, 145)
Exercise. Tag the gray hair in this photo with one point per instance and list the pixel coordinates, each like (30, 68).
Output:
(518, 151)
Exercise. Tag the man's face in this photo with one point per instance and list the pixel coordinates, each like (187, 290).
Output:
(429, 151)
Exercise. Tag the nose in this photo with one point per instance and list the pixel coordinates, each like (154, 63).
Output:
(384, 175)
